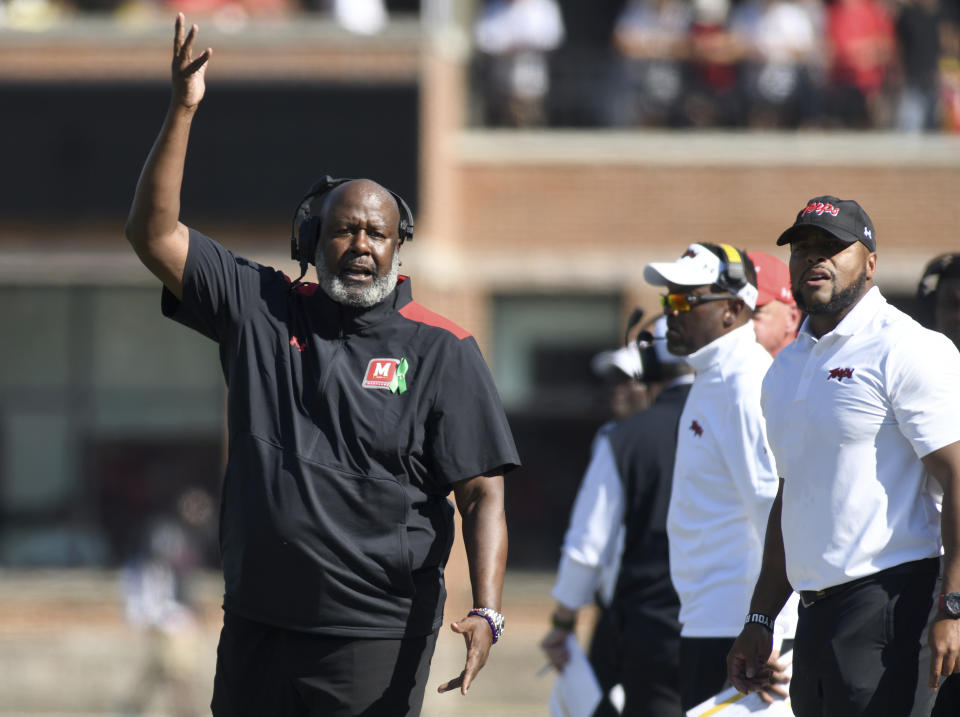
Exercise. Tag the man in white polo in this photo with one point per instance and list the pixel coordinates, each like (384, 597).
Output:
(863, 416)
(723, 480)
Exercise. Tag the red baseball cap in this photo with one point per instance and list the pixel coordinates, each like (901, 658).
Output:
(773, 279)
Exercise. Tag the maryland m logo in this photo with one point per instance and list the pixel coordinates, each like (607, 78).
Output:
(380, 373)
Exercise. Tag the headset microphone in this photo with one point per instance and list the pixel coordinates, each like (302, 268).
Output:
(636, 316)
(645, 340)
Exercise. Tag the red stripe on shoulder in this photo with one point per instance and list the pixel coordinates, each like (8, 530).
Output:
(303, 287)
(307, 289)
(423, 315)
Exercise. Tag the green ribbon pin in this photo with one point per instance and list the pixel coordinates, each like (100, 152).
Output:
(399, 383)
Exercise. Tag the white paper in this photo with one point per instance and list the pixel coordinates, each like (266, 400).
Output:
(576, 693)
(731, 703)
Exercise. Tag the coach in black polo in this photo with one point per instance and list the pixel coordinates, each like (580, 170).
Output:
(353, 412)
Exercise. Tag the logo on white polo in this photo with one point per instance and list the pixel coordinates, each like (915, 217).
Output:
(380, 373)
(840, 374)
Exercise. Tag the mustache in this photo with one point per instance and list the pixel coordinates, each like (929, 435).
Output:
(354, 264)
(819, 267)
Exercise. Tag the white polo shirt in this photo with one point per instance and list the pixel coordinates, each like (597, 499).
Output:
(723, 486)
(848, 417)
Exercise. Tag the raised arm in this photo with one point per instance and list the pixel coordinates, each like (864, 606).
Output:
(480, 502)
(153, 226)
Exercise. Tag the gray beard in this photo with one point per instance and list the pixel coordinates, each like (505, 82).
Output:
(364, 297)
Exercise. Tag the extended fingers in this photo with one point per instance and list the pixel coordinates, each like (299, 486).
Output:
(183, 47)
(451, 684)
(940, 666)
(178, 34)
(188, 43)
(468, 675)
(199, 62)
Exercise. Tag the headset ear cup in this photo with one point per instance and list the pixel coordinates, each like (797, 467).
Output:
(735, 274)
(405, 228)
(307, 234)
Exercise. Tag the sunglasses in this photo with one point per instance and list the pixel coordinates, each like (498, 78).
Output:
(684, 302)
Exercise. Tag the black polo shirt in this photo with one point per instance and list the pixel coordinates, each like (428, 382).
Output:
(347, 428)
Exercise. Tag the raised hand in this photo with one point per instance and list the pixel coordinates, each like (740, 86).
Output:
(188, 82)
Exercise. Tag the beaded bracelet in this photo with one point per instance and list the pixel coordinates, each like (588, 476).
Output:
(493, 618)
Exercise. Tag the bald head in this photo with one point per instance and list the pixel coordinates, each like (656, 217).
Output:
(358, 249)
(361, 192)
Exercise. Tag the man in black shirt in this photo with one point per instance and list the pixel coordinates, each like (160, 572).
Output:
(352, 413)
(624, 495)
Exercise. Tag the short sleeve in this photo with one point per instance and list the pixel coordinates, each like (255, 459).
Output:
(469, 434)
(923, 381)
(217, 286)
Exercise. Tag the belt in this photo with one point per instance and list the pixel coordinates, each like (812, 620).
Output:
(809, 597)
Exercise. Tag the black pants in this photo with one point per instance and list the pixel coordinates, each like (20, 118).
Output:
(863, 650)
(703, 668)
(640, 656)
(264, 670)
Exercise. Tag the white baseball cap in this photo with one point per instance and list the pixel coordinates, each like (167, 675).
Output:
(700, 265)
(625, 359)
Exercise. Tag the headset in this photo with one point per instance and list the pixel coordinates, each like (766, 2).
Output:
(305, 226)
(651, 370)
(945, 264)
(734, 275)
(737, 274)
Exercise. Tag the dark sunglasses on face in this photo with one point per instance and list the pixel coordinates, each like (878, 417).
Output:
(684, 302)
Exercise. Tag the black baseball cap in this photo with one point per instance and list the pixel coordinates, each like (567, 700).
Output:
(842, 218)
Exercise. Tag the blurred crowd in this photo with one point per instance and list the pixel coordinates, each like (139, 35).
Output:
(849, 64)
(359, 17)
(855, 64)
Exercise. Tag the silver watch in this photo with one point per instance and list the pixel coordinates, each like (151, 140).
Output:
(493, 618)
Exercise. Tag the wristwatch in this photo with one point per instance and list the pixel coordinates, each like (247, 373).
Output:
(494, 620)
(950, 605)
